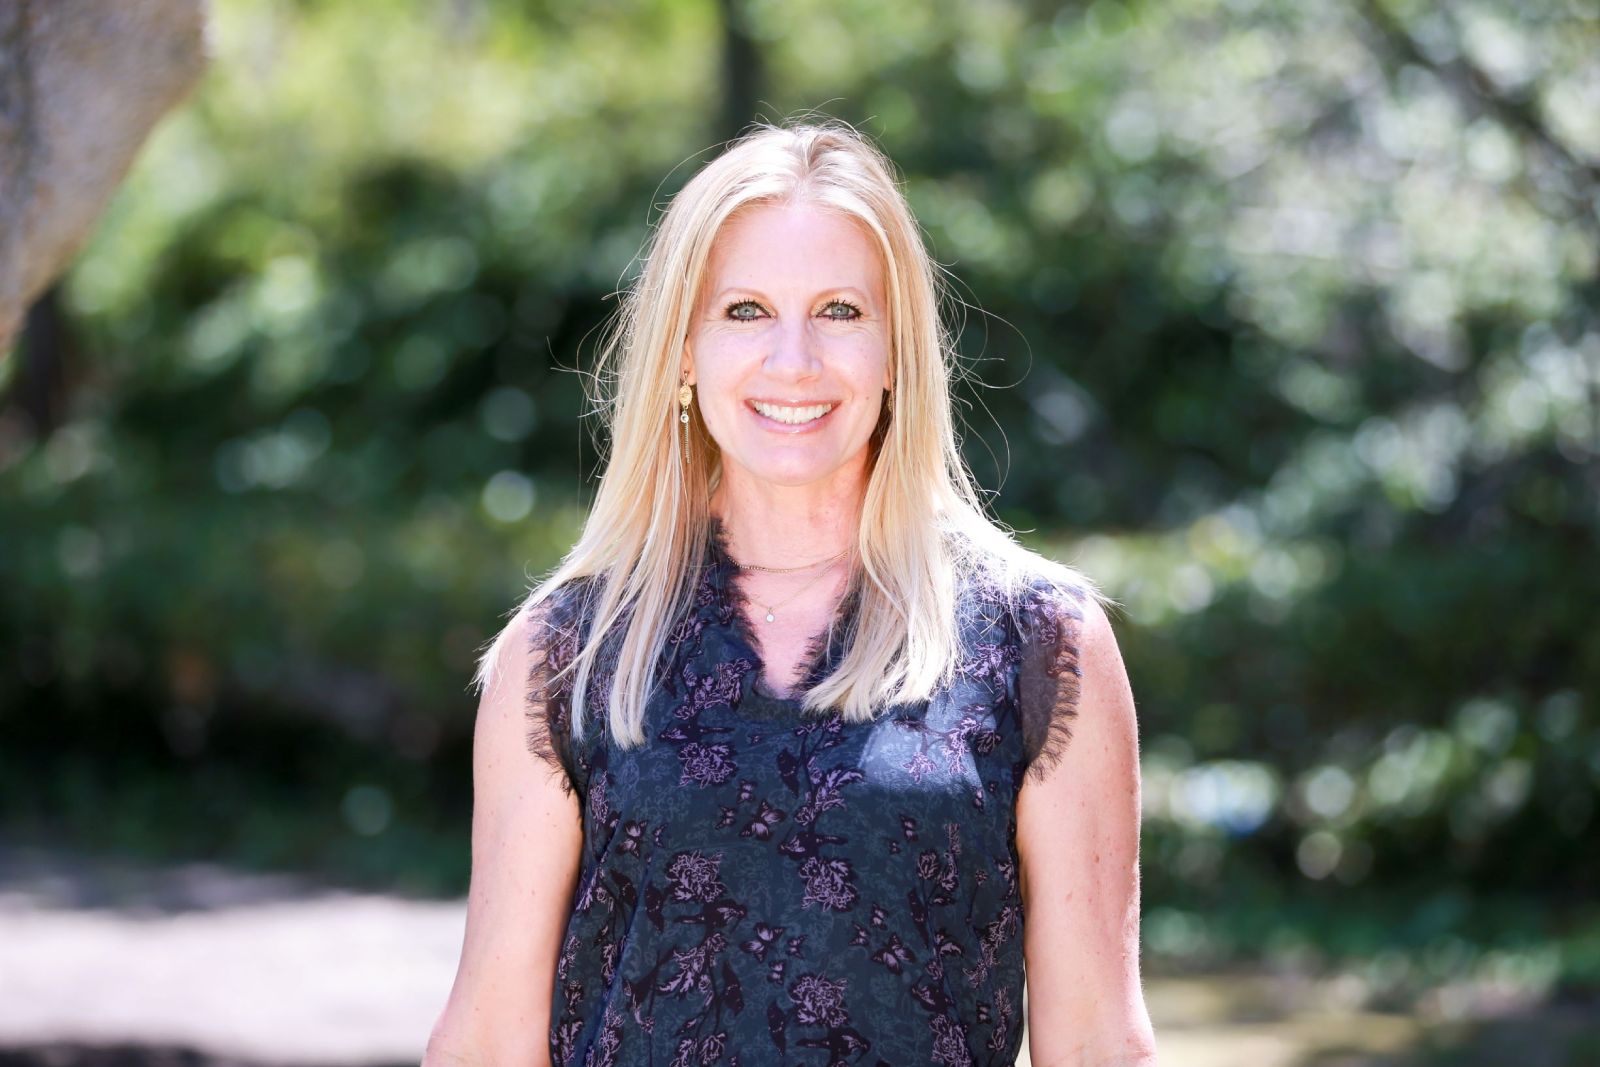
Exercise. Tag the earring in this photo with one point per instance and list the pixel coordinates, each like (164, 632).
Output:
(685, 397)
(888, 400)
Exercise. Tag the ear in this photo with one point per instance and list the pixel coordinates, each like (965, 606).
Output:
(686, 368)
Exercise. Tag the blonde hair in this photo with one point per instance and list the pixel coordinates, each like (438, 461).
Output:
(922, 528)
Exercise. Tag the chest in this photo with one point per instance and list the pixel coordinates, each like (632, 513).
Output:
(766, 777)
(787, 635)
(785, 650)
(720, 735)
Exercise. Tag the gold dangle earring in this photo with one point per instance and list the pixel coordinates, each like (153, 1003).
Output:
(685, 398)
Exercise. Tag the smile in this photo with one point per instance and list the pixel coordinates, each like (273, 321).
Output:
(791, 416)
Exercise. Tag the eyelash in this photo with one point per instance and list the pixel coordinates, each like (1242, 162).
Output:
(728, 311)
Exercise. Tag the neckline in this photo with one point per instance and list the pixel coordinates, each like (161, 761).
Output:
(821, 648)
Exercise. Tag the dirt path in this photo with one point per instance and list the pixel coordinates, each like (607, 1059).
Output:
(262, 969)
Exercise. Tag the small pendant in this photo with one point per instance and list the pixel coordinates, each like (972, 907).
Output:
(769, 616)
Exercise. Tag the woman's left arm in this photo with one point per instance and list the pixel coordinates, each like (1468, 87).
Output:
(1078, 842)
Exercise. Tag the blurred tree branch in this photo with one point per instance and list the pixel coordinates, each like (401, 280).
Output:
(1477, 91)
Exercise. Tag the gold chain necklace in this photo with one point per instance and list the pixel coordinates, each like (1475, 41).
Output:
(772, 609)
(788, 570)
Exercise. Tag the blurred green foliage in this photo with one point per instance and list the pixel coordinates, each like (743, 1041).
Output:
(1304, 297)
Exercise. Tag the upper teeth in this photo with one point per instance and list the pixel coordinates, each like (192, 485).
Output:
(773, 411)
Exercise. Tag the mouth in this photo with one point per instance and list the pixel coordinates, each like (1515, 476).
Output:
(790, 418)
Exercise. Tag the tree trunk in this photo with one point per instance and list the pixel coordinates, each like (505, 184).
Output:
(82, 82)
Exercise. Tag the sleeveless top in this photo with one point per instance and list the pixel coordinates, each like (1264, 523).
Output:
(762, 886)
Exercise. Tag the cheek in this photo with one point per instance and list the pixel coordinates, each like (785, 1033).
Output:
(711, 372)
(717, 398)
(868, 366)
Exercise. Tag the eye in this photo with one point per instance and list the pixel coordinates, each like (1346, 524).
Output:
(853, 312)
(733, 309)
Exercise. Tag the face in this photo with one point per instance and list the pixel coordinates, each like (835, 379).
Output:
(789, 350)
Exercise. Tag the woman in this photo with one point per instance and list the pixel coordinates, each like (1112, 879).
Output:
(804, 789)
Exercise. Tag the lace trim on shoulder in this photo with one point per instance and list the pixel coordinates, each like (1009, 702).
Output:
(1050, 676)
(554, 638)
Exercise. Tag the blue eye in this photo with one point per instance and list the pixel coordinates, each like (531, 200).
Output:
(735, 311)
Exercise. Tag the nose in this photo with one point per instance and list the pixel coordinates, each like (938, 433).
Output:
(794, 352)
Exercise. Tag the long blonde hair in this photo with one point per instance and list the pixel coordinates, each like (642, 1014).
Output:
(922, 527)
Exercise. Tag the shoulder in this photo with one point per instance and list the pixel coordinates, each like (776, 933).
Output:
(1052, 595)
(1041, 597)
(1063, 647)
(546, 626)
(527, 673)
(1076, 703)
(560, 610)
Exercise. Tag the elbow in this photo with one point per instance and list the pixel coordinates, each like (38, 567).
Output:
(1144, 1055)
(1138, 1043)
(1138, 1047)
(1134, 1046)
(1145, 1058)
(448, 1046)
(446, 1049)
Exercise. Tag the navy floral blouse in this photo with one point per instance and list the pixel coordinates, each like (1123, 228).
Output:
(762, 887)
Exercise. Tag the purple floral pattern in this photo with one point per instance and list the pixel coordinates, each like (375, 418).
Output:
(758, 886)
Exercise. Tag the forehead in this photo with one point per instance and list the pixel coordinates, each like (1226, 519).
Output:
(804, 245)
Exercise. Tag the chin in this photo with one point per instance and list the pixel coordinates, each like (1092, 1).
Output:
(789, 477)
(792, 471)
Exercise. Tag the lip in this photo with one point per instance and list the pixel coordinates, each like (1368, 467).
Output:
(789, 428)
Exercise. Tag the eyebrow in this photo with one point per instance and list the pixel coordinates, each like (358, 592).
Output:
(757, 292)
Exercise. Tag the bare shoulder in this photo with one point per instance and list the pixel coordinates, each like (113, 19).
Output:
(503, 663)
(1091, 726)
(1105, 676)
(1070, 673)
(525, 677)
(535, 627)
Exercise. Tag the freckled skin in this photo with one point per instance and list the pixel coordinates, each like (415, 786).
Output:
(797, 269)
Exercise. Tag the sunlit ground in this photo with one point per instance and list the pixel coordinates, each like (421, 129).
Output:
(106, 963)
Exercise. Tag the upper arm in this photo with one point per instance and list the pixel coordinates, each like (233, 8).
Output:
(1078, 843)
(526, 845)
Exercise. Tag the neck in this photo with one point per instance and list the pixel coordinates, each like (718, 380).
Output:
(783, 527)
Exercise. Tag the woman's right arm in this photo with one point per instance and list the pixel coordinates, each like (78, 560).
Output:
(526, 843)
